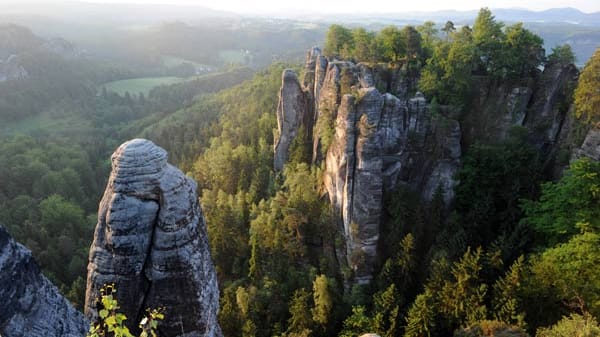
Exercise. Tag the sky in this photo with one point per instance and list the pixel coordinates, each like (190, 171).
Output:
(360, 6)
(347, 6)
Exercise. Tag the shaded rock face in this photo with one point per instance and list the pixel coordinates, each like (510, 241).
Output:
(538, 107)
(293, 111)
(30, 306)
(151, 242)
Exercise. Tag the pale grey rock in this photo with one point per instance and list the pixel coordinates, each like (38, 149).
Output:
(151, 242)
(11, 69)
(590, 147)
(380, 142)
(293, 110)
(30, 305)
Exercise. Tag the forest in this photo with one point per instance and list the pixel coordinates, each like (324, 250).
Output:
(515, 254)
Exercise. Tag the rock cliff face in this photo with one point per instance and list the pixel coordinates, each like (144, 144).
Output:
(371, 141)
(373, 137)
(30, 305)
(292, 112)
(11, 69)
(151, 240)
(538, 106)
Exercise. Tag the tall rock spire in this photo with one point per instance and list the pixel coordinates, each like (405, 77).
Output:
(151, 242)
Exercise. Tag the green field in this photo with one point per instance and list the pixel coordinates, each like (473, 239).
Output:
(140, 85)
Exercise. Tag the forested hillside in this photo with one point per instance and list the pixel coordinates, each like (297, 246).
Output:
(509, 246)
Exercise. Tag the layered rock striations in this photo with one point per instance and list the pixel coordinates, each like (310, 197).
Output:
(372, 137)
(30, 306)
(151, 242)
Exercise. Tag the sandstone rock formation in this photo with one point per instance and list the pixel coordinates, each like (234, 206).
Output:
(292, 113)
(151, 242)
(11, 69)
(371, 141)
(30, 306)
(373, 137)
(590, 147)
(381, 142)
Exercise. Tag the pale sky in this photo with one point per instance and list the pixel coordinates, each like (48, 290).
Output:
(347, 6)
(358, 6)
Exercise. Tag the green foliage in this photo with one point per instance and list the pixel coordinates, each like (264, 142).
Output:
(587, 100)
(523, 52)
(111, 321)
(574, 325)
(505, 303)
(487, 38)
(421, 317)
(357, 323)
(492, 181)
(323, 300)
(338, 41)
(301, 319)
(569, 205)
(562, 54)
(562, 279)
(391, 43)
(488, 328)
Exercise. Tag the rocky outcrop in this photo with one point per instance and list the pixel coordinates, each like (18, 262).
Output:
(381, 142)
(30, 305)
(539, 106)
(11, 69)
(150, 240)
(293, 111)
(590, 147)
(372, 138)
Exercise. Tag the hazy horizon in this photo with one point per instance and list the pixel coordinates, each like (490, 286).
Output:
(266, 7)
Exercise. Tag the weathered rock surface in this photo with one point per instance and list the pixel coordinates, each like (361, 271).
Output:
(293, 111)
(151, 242)
(11, 69)
(30, 306)
(371, 141)
(381, 142)
(590, 147)
(373, 137)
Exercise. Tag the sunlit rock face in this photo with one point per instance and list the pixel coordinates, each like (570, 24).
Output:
(30, 306)
(380, 142)
(371, 137)
(151, 242)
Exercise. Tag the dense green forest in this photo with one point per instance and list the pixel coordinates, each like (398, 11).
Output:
(517, 253)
